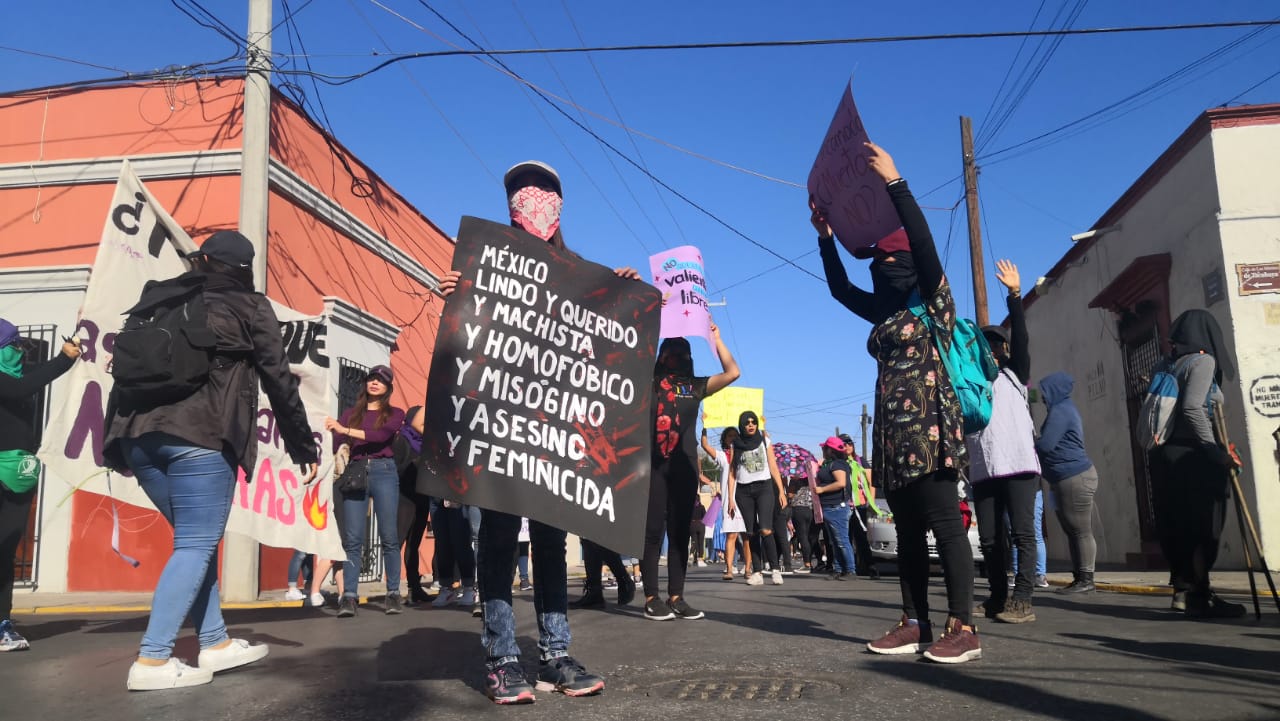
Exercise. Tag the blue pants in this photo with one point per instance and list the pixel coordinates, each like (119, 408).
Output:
(836, 519)
(384, 489)
(192, 487)
(499, 537)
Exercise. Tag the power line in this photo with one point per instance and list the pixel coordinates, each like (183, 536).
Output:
(1251, 88)
(749, 44)
(60, 58)
(621, 154)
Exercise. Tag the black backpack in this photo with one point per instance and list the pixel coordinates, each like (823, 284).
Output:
(165, 350)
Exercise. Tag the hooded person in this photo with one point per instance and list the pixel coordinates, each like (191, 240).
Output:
(20, 384)
(1004, 470)
(1191, 471)
(750, 472)
(673, 482)
(1073, 480)
(919, 430)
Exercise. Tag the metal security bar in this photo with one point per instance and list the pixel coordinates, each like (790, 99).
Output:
(36, 341)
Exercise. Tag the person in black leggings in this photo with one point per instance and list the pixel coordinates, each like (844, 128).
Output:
(673, 486)
(594, 556)
(919, 428)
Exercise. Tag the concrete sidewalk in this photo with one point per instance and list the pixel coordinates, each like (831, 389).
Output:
(1234, 583)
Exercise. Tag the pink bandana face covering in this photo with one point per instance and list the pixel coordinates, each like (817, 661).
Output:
(536, 210)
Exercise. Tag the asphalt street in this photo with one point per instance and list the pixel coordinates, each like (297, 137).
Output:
(794, 651)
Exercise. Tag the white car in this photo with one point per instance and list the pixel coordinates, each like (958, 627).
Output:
(883, 537)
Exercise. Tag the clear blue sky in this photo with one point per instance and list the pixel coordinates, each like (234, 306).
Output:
(443, 130)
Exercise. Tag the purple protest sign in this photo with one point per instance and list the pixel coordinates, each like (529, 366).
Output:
(679, 274)
(845, 187)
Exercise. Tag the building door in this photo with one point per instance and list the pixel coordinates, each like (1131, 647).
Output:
(36, 342)
(351, 377)
(1140, 343)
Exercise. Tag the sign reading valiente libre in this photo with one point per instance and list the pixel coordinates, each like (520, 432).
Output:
(540, 389)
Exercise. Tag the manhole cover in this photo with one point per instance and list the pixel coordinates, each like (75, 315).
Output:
(740, 689)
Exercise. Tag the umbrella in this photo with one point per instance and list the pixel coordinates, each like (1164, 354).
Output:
(793, 460)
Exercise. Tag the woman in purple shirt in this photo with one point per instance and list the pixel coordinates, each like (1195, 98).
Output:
(368, 427)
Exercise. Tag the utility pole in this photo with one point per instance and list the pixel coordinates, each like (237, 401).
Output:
(255, 155)
(866, 421)
(975, 228)
(240, 557)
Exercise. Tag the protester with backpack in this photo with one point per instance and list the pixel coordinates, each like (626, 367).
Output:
(1003, 467)
(184, 450)
(19, 469)
(1073, 481)
(919, 424)
(370, 426)
(1191, 470)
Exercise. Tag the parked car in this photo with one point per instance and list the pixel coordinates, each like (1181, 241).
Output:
(883, 537)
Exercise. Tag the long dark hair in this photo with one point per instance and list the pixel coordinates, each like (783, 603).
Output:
(357, 410)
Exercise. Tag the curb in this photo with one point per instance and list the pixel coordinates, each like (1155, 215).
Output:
(146, 608)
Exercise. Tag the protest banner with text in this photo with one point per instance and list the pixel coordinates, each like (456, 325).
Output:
(141, 242)
(723, 408)
(540, 391)
(681, 278)
(845, 187)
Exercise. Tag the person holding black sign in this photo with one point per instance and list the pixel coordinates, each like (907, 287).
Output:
(534, 199)
(919, 428)
(673, 485)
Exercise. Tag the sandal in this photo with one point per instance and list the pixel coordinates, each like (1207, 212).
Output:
(728, 576)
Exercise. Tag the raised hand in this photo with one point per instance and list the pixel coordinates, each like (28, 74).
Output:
(1007, 274)
(881, 162)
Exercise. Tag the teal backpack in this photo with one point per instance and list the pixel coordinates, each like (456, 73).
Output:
(969, 364)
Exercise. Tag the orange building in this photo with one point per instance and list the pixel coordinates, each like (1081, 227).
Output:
(340, 242)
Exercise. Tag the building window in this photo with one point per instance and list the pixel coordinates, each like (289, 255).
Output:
(36, 341)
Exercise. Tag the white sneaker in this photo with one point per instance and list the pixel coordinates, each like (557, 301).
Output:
(466, 598)
(237, 653)
(317, 600)
(755, 579)
(702, 563)
(173, 674)
(446, 597)
(777, 578)
(294, 594)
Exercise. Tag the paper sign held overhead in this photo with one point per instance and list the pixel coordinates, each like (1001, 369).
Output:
(845, 187)
(681, 278)
(723, 408)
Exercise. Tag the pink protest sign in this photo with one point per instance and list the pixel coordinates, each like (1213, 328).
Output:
(679, 275)
(843, 186)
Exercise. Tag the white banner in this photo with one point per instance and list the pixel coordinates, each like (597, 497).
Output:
(141, 242)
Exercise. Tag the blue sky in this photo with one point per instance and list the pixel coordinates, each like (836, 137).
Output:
(443, 130)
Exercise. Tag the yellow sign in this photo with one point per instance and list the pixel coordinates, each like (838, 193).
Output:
(723, 408)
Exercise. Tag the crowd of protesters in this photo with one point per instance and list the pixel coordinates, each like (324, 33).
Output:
(794, 519)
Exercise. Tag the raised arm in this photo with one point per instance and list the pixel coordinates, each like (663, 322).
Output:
(1019, 340)
(850, 296)
(928, 266)
(730, 366)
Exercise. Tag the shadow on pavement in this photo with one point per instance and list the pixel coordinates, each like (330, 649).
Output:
(1225, 656)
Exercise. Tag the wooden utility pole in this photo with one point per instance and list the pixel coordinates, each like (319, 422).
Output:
(240, 552)
(975, 228)
(255, 154)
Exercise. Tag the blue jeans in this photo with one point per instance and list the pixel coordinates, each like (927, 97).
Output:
(384, 488)
(1042, 556)
(300, 564)
(192, 487)
(499, 537)
(837, 520)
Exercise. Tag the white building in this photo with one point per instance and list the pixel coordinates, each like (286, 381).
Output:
(1199, 229)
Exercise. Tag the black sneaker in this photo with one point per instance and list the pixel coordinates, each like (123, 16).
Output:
(681, 609)
(591, 598)
(346, 607)
(567, 676)
(992, 606)
(506, 684)
(1213, 606)
(656, 609)
(392, 606)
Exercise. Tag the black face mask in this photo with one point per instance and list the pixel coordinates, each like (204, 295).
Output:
(896, 277)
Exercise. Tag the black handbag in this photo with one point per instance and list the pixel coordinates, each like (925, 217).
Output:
(354, 478)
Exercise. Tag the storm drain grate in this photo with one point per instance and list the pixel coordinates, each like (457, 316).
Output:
(763, 689)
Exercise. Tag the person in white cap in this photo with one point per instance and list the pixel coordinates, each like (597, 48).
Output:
(534, 200)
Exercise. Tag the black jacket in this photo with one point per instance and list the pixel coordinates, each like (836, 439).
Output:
(17, 402)
(223, 414)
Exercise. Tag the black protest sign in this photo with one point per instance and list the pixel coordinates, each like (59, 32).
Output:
(539, 395)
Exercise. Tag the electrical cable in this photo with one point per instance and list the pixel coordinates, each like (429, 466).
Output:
(1249, 89)
(35, 53)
